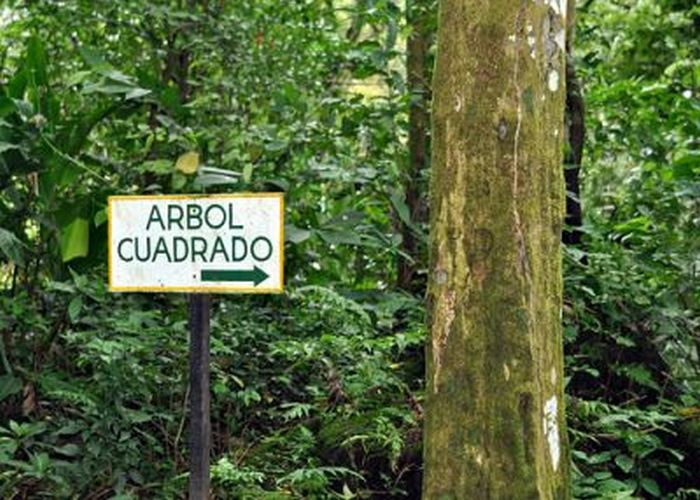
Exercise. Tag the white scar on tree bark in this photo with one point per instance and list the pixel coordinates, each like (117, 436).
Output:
(447, 310)
(551, 430)
(559, 6)
(520, 237)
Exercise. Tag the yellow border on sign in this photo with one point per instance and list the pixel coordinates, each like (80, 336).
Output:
(194, 289)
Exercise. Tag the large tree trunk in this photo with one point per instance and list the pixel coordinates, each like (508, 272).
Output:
(576, 134)
(417, 79)
(495, 422)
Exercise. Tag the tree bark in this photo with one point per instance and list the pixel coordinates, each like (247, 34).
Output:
(576, 133)
(576, 130)
(495, 422)
(417, 76)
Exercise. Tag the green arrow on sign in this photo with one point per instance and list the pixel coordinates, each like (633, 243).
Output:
(256, 275)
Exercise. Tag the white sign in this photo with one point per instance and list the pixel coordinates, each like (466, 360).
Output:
(197, 243)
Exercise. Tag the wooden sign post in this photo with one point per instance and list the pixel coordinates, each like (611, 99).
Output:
(199, 244)
(200, 421)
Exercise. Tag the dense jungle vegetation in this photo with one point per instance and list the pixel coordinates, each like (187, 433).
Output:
(317, 393)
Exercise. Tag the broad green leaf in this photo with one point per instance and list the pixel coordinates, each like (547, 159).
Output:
(687, 166)
(650, 486)
(276, 146)
(68, 450)
(247, 172)
(27, 429)
(188, 163)
(117, 76)
(9, 385)
(213, 180)
(624, 462)
(8, 447)
(93, 58)
(60, 286)
(137, 417)
(100, 217)
(296, 234)
(75, 239)
(336, 237)
(41, 462)
(17, 84)
(107, 88)
(178, 181)
(7, 106)
(136, 93)
(347, 492)
(254, 152)
(11, 246)
(37, 62)
(640, 374)
(612, 485)
(397, 200)
(78, 77)
(74, 308)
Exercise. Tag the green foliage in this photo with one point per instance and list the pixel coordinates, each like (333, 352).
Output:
(632, 309)
(316, 393)
(298, 391)
(634, 455)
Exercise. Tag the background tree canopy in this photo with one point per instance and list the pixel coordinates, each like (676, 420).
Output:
(317, 393)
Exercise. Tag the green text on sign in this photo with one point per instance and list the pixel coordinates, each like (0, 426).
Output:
(195, 243)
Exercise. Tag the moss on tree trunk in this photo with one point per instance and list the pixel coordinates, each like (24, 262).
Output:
(495, 425)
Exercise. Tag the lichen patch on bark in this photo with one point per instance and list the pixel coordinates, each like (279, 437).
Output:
(517, 224)
(475, 454)
(459, 103)
(559, 6)
(554, 31)
(442, 325)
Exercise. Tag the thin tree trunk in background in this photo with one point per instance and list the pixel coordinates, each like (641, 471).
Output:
(418, 80)
(495, 422)
(576, 132)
